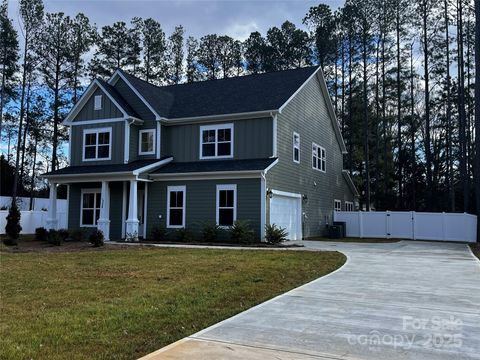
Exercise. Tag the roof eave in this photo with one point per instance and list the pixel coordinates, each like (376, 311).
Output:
(232, 116)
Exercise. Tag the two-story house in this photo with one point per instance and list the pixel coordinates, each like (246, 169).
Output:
(264, 148)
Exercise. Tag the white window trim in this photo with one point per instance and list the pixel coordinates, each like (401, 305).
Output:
(216, 127)
(97, 102)
(217, 199)
(182, 188)
(97, 131)
(335, 203)
(294, 147)
(140, 152)
(88, 191)
(349, 204)
(324, 159)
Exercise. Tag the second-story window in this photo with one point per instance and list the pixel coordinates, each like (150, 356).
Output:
(97, 144)
(146, 142)
(296, 147)
(97, 102)
(216, 141)
(319, 160)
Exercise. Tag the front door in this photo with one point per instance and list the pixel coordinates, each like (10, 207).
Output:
(141, 212)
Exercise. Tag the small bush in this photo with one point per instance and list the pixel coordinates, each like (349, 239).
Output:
(96, 238)
(41, 234)
(13, 228)
(158, 233)
(54, 237)
(77, 235)
(210, 232)
(63, 233)
(182, 235)
(275, 234)
(241, 232)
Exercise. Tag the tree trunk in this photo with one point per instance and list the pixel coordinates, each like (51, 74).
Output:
(27, 124)
(350, 96)
(32, 183)
(377, 122)
(366, 129)
(412, 132)
(450, 183)
(399, 109)
(477, 115)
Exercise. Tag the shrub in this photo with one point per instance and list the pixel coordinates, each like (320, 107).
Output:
(64, 234)
(13, 227)
(182, 235)
(210, 232)
(275, 234)
(54, 237)
(241, 232)
(158, 233)
(96, 238)
(41, 234)
(77, 235)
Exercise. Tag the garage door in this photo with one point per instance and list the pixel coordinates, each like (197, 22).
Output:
(286, 212)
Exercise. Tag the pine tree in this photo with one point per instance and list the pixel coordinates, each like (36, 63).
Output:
(255, 52)
(208, 56)
(175, 55)
(193, 73)
(153, 41)
(229, 55)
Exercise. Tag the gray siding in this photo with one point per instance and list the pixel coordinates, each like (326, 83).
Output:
(201, 202)
(118, 143)
(134, 139)
(307, 115)
(116, 199)
(108, 111)
(253, 138)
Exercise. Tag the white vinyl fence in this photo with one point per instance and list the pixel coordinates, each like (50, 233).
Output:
(409, 225)
(38, 203)
(30, 220)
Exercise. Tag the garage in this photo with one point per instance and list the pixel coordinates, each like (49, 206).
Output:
(286, 212)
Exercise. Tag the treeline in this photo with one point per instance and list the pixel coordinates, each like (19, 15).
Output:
(401, 76)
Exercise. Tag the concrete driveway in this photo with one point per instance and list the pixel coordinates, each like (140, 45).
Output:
(405, 300)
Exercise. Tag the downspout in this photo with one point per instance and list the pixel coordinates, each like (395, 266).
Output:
(263, 205)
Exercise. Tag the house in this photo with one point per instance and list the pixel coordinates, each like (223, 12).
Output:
(264, 148)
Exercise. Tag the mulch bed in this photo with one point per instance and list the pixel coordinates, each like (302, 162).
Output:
(25, 246)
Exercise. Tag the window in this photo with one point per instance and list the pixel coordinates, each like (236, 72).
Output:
(338, 205)
(296, 147)
(318, 158)
(96, 144)
(348, 206)
(146, 142)
(226, 205)
(216, 141)
(90, 207)
(176, 206)
(97, 105)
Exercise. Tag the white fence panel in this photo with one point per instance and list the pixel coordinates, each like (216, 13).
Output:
(410, 225)
(38, 203)
(30, 220)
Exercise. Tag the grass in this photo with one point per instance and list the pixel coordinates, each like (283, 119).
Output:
(356, 240)
(475, 249)
(125, 303)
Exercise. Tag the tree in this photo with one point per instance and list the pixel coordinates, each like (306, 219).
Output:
(153, 41)
(208, 55)
(31, 13)
(13, 228)
(193, 73)
(55, 67)
(229, 55)
(477, 116)
(175, 55)
(255, 51)
(82, 37)
(9, 54)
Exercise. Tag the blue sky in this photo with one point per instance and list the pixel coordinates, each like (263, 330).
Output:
(199, 17)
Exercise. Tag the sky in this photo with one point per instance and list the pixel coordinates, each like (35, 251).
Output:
(199, 17)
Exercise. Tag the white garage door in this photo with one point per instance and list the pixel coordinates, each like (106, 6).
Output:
(286, 212)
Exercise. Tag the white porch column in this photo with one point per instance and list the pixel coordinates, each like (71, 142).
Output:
(103, 223)
(52, 220)
(132, 221)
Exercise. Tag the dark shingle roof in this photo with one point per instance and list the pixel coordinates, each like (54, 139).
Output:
(97, 169)
(260, 92)
(118, 98)
(214, 165)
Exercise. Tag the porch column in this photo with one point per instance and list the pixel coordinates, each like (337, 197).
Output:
(52, 221)
(103, 223)
(132, 221)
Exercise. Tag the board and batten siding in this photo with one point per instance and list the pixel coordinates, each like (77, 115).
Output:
(108, 111)
(307, 115)
(117, 143)
(253, 139)
(201, 203)
(116, 199)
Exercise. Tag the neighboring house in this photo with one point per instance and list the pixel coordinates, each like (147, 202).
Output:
(264, 148)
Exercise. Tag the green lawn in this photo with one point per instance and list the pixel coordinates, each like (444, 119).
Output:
(122, 304)
(475, 249)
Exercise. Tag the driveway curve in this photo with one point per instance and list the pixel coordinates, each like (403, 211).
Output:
(404, 300)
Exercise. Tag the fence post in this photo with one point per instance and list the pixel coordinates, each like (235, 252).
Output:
(413, 225)
(387, 224)
(444, 227)
(360, 223)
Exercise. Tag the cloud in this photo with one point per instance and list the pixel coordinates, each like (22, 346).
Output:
(241, 31)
